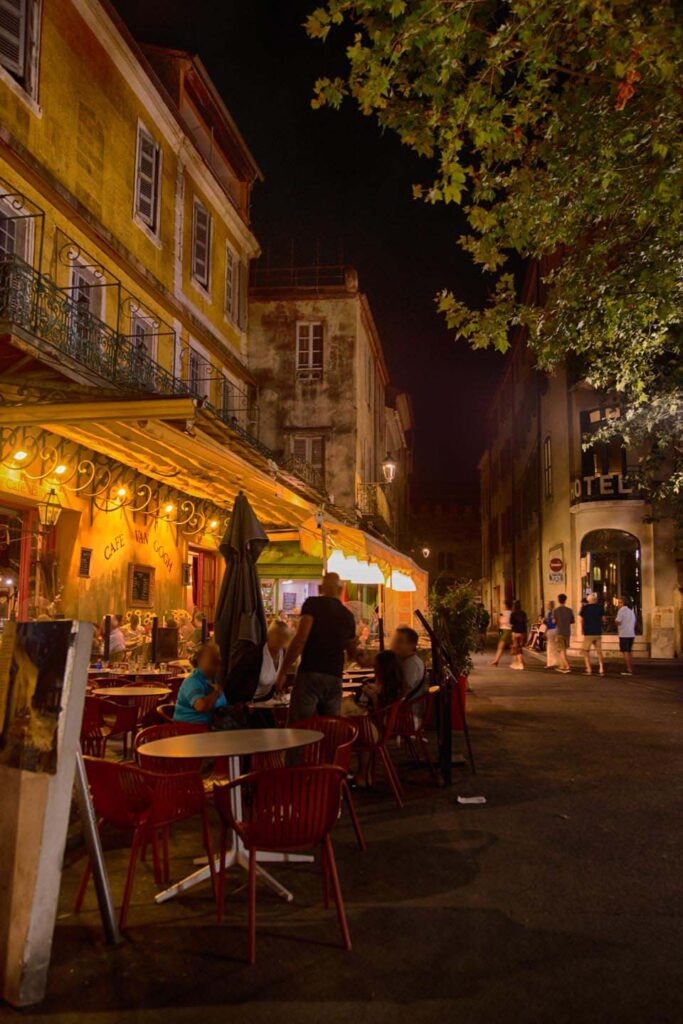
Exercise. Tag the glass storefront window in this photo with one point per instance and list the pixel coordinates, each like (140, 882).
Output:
(611, 566)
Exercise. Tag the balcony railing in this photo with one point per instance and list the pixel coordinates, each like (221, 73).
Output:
(35, 303)
(372, 502)
(295, 464)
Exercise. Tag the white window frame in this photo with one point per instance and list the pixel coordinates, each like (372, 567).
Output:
(306, 367)
(95, 308)
(203, 281)
(307, 441)
(204, 384)
(150, 224)
(23, 229)
(23, 72)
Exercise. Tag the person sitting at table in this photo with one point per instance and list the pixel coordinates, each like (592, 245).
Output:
(133, 630)
(201, 695)
(117, 641)
(404, 646)
(253, 676)
(386, 688)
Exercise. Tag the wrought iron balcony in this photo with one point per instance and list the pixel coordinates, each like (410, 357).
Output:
(295, 464)
(372, 503)
(35, 303)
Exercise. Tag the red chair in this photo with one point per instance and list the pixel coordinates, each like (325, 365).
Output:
(287, 809)
(166, 712)
(174, 684)
(339, 735)
(151, 763)
(94, 731)
(374, 732)
(120, 719)
(145, 804)
(413, 718)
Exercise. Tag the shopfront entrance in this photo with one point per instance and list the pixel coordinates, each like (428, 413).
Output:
(611, 566)
(18, 559)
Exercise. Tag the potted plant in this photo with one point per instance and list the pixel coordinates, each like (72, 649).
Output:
(455, 615)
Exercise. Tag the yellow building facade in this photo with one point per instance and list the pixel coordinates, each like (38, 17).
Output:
(129, 416)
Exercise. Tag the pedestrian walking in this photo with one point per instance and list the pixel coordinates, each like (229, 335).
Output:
(551, 658)
(327, 630)
(504, 631)
(519, 625)
(592, 615)
(564, 620)
(626, 628)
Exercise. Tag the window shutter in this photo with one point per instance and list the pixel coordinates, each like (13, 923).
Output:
(230, 283)
(243, 284)
(302, 345)
(317, 452)
(299, 448)
(201, 242)
(147, 178)
(13, 35)
(226, 399)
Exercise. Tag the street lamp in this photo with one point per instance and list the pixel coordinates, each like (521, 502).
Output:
(426, 552)
(49, 510)
(389, 469)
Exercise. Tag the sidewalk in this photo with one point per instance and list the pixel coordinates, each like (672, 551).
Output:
(556, 902)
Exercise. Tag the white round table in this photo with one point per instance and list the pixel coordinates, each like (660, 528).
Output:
(233, 744)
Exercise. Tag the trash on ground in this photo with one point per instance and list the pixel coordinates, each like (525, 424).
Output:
(471, 799)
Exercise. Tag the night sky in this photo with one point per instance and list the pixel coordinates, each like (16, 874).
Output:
(338, 190)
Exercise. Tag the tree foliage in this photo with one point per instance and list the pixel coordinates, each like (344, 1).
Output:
(455, 614)
(556, 125)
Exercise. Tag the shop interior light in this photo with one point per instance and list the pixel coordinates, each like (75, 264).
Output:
(352, 569)
(401, 582)
(213, 524)
(60, 470)
(121, 493)
(8, 581)
(168, 509)
(375, 575)
(337, 563)
(20, 456)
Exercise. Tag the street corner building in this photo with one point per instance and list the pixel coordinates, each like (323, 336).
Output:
(562, 515)
(131, 412)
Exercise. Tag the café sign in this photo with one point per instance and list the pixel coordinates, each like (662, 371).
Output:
(606, 487)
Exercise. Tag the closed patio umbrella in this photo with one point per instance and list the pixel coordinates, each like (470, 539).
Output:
(240, 616)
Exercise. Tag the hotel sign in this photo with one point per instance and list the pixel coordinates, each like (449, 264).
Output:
(601, 488)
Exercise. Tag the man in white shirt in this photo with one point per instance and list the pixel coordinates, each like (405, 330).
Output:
(626, 628)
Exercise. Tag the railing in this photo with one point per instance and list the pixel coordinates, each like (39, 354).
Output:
(35, 303)
(372, 501)
(295, 464)
(310, 277)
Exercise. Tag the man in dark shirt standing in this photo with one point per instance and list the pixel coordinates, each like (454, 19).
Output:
(327, 630)
(592, 615)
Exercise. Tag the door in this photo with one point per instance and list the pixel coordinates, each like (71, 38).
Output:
(204, 573)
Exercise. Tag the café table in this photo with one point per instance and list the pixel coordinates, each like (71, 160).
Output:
(233, 744)
(132, 690)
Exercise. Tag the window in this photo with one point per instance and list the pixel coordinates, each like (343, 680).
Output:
(197, 373)
(20, 40)
(309, 350)
(309, 449)
(446, 561)
(603, 458)
(227, 405)
(147, 179)
(201, 244)
(547, 468)
(15, 229)
(610, 565)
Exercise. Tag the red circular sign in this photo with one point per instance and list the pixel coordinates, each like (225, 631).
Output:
(556, 565)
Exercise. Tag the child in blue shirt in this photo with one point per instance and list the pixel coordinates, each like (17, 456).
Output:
(200, 695)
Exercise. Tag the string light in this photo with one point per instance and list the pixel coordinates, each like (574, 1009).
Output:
(121, 493)
(168, 509)
(60, 470)
(20, 456)
(213, 524)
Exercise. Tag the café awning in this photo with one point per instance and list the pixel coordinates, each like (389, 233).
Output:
(162, 439)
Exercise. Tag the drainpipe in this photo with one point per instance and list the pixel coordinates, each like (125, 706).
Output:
(541, 491)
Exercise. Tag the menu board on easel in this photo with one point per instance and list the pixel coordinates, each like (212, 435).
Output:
(43, 675)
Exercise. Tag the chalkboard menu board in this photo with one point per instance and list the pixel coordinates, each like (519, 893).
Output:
(140, 586)
(84, 562)
(167, 644)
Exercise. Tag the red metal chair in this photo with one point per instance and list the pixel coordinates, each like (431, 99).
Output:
(174, 684)
(339, 735)
(286, 809)
(146, 804)
(412, 720)
(166, 712)
(120, 719)
(374, 732)
(94, 731)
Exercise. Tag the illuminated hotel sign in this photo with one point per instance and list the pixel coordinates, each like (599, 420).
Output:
(601, 488)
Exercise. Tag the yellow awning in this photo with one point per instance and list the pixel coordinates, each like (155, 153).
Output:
(352, 541)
